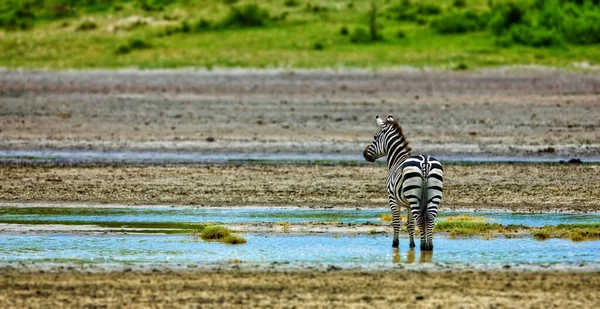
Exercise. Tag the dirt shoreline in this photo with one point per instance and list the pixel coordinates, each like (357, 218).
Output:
(314, 289)
(514, 187)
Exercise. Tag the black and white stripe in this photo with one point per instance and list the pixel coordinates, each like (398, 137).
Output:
(414, 181)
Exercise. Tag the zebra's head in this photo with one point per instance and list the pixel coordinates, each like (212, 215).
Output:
(378, 147)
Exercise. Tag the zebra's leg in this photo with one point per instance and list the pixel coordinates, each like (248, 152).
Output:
(432, 208)
(415, 209)
(410, 227)
(395, 222)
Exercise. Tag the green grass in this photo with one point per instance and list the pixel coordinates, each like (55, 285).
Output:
(221, 234)
(472, 228)
(295, 35)
(575, 232)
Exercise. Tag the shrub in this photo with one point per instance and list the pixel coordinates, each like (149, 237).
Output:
(136, 43)
(247, 15)
(360, 35)
(87, 25)
(290, 3)
(318, 46)
(504, 16)
(406, 11)
(215, 232)
(459, 22)
(533, 36)
(584, 29)
(344, 31)
(400, 34)
(459, 3)
(20, 18)
(221, 234)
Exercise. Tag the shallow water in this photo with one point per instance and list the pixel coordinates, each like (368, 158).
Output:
(294, 249)
(235, 215)
(165, 157)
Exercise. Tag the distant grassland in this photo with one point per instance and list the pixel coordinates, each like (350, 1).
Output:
(447, 34)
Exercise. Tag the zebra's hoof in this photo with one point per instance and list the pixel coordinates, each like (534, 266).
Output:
(426, 246)
(412, 244)
(395, 243)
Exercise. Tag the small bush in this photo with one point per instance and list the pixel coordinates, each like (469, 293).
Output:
(291, 3)
(406, 11)
(185, 27)
(215, 232)
(459, 22)
(136, 43)
(233, 240)
(123, 49)
(536, 37)
(461, 67)
(360, 35)
(459, 3)
(318, 46)
(400, 34)
(19, 19)
(344, 31)
(504, 16)
(221, 234)
(247, 15)
(87, 25)
(202, 25)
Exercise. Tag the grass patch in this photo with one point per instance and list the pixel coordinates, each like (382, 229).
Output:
(472, 228)
(221, 234)
(574, 232)
(464, 218)
(385, 217)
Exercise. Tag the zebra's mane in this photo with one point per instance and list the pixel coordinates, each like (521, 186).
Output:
(395, 124)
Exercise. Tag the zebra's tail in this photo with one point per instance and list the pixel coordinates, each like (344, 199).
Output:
(425, 168)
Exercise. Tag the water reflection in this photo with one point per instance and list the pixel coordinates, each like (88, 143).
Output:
(424, 257)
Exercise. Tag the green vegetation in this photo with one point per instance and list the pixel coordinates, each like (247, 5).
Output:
(221, 234)
(575, 232)
(447, 34)
(472, 228)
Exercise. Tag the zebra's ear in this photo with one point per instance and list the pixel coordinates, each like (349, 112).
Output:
(379, 121)
(390, 118)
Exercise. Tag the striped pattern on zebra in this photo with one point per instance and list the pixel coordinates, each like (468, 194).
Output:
(414, 181)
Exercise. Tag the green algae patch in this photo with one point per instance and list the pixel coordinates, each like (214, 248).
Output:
(574, 232)
(221, 234)
(472, 228)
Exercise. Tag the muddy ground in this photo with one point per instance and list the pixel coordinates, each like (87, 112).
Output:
(496, 112)
(499, 111)
(523, 187)
(313, 289)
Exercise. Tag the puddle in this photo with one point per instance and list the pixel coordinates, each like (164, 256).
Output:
(348, 251)
(238, 215)
(165, 157)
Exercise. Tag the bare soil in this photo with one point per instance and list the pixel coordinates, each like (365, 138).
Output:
(492, 112)
(523, 187)
(311, 289)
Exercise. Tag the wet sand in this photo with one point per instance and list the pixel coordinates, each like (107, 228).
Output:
(516, 187)
(289, 289)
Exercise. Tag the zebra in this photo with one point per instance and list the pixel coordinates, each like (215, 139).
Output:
(414, 181)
